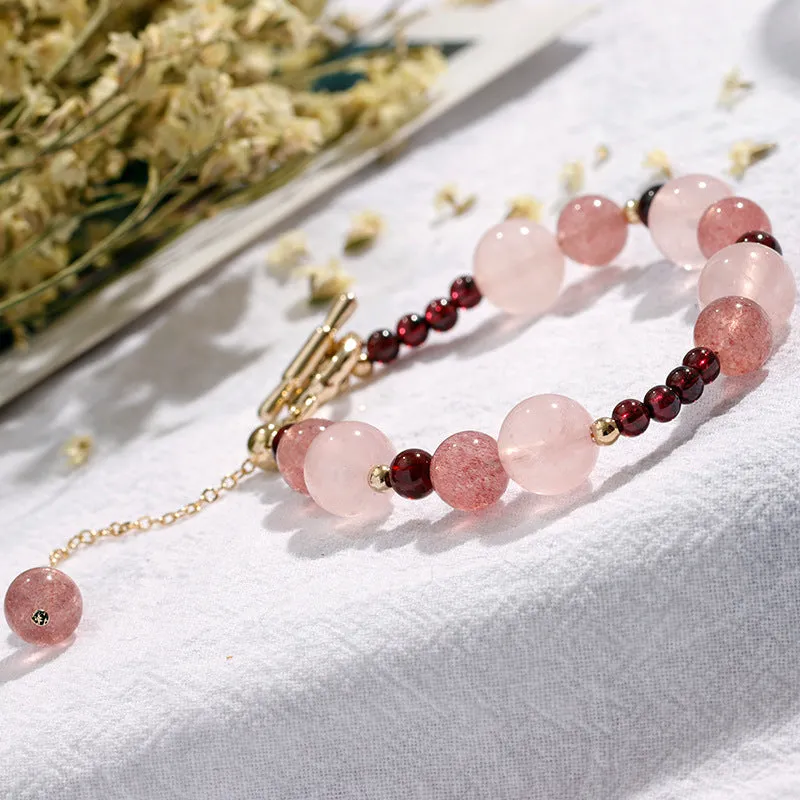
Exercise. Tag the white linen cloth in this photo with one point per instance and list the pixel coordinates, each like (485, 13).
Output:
(638, 639)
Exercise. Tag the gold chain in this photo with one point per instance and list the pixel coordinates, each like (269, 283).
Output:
(146, 523)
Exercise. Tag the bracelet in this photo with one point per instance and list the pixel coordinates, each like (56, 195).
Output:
(548, 444)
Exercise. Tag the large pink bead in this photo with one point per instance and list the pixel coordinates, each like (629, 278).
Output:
(337, 469)
(545, 444)
(292, 448)
(466, 471)
(43, 606)
(519, 267)
(726, 220)
(738, 331)
(592, 230)
(675, 214)
(754, 271)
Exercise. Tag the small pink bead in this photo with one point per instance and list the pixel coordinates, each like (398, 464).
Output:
(675, 214)
(292, 449)
(518, 267)
(738, 331)
(592, 230)
(43, 606)
(726, 220)
(754, 271)
(337, 469)
(467, 472)
(545, 444)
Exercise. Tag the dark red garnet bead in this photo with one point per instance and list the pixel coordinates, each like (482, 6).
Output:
(662, 404)
(412, 330)
(410, 474)
(383, 346)
(464, 292)
(761, 237)
(631, 418)
(646, 200)
(705, 361)
(276, 439)
(441, 314)
(686, 383)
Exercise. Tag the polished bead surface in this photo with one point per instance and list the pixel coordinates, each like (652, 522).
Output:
(686, 383)
(290, 454)
(441, 314)
(631, 418)
(724, 221)
(519, 267)
(276, 439)
(738, 330)
(754, 271)
(43, 606)
(546, 445)
(467, 472)
(761, 237)
(662, 404)
(464, 292)
(383, 346)
(338, 466)
(592, 230)
(675, 214)
(646, 200)
(412, 330)
(410, 474)
(705, 361)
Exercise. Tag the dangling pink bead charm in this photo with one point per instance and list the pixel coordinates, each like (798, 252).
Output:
(546, 446)
(592, 230)
(726, 220)
(43, 606)
(337, 468)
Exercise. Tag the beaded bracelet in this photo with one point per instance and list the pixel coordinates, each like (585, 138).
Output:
(548, 444)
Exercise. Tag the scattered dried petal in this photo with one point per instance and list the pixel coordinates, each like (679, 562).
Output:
(326, 281)
(658, 161)
(734, 89)
(526, 207)
(364, 231)
(573, 177)
(447, 199)
(289, 251)
(746, 153)
(77, 449)
(601, 154)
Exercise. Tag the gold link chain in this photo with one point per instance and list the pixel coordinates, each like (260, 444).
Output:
(146, 523)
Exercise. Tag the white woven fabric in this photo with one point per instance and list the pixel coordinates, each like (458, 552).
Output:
(636, 640)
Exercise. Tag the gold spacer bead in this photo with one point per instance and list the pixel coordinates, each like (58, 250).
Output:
(604, 431)
(259, 445)
(378, 478)
(363, 367)
(632, 212)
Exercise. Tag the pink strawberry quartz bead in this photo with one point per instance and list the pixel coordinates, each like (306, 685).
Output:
(754, 271)
(43, 606)
(675, 213)
(292, 448)
(738, 331)
(337, 468)
(466, 471)
(726, 220)
(592, 230)
(545, 444)
(518, 267)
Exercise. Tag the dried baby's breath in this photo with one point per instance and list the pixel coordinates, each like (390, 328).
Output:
(573, 177)
(746, 153)
(734, 88)
(658, 162)
(326, 281)
(364, 231)
(448, 199)
(601, 154)
(289, 252)
(525, 207)
(77, 449)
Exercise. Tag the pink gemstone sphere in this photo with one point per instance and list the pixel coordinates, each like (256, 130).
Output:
(545, 444)
(43, 606)
(726, 220)
(292, 448)
(675, 214)
(592, 230)
(466, 471)
(518, 267)
(738, 331)
(337, 468)
(754, 271)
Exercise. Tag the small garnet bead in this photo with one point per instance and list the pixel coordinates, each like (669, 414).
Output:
(705, 361)
(464, 292)
(410, 474)
(686, 383)
(645, 200)
(412, 330)
(631, 418)
(760, 237)
(441, 314)
(383, 346)
(662, 403)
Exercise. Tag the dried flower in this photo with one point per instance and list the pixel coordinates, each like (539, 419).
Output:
(77, 449)
(447, 198)
(573, 177)
(601, 154)
(525, 207)
(289, 251)
(364, 230)
(733, 90)
(326, 281)
(745, 153)
(657, 161)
